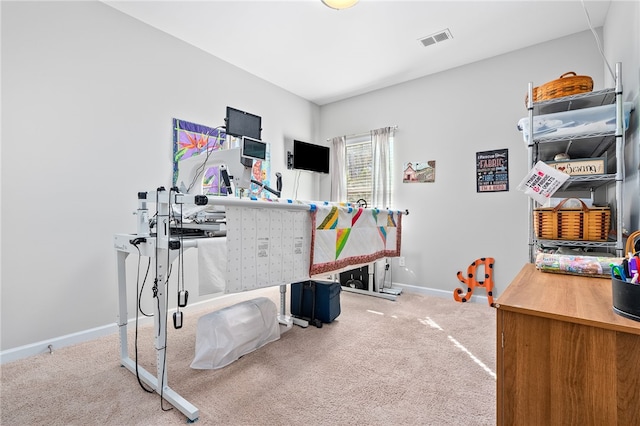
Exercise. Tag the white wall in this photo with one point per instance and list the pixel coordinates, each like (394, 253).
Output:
(622, 44)
(88, 95)
(449, 117)
(88, 98)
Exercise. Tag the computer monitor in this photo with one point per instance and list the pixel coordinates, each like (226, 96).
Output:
(239, 123)
(254, 148)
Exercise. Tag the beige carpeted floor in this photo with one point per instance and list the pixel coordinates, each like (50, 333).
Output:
(417, 361)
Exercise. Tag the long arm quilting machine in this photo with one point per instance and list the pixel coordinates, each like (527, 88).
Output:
(165, 248)
(269, 243)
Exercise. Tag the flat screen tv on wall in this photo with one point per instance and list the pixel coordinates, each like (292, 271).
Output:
(311, 157)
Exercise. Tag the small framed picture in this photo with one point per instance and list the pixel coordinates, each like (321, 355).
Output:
(492, 170)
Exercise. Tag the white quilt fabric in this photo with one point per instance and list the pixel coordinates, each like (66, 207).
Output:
(266, 247)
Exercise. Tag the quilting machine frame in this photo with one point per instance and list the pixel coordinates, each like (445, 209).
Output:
(165, 249)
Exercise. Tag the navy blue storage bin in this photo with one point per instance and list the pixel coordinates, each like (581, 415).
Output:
(327, 300)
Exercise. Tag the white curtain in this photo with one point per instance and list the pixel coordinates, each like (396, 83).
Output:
(339, 169)
(382, 166)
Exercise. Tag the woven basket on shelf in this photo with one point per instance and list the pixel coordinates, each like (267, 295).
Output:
(561, 223)
(569, 83)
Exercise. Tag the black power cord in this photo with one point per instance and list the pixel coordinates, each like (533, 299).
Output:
(138, 291)
(182, 295)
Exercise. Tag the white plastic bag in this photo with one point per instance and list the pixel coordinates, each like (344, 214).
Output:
(225, 335)
(542, 182)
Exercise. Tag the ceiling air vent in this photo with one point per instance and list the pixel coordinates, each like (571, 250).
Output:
(436, 37)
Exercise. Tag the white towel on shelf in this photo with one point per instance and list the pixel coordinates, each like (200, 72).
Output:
(212, 265)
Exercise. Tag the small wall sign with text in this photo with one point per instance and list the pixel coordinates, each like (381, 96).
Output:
(581, 167)
(492, 170)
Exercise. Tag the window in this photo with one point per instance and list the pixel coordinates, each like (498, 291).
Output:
(360, 166)
(359, 169)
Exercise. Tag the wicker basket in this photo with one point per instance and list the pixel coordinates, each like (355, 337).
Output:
(569, 83)
(584, 224)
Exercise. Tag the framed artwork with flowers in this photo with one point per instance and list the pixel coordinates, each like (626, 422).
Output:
(191, 139)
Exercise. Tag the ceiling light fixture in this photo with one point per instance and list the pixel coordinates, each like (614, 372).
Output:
(339, 4)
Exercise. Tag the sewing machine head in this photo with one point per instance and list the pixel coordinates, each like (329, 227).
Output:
(223, 171)
(218, 172)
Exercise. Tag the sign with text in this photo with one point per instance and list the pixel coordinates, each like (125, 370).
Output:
(581, 167)
(542, 182)
(492, 170)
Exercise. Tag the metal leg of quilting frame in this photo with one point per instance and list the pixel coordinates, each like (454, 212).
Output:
(288, 320)
(371, 293)
(184, 406)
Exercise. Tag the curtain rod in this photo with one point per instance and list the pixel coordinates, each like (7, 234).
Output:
(359, 135)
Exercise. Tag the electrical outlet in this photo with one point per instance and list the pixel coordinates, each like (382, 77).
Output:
(401, 261)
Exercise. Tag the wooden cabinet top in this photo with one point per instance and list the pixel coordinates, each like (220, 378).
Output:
(570, 298)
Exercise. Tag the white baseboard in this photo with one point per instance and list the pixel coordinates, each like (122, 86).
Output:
(51, 345)
(445, 294)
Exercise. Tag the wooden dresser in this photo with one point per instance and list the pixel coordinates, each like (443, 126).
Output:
(564, 357)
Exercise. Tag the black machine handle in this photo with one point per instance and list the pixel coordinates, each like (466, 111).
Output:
(271, 190)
